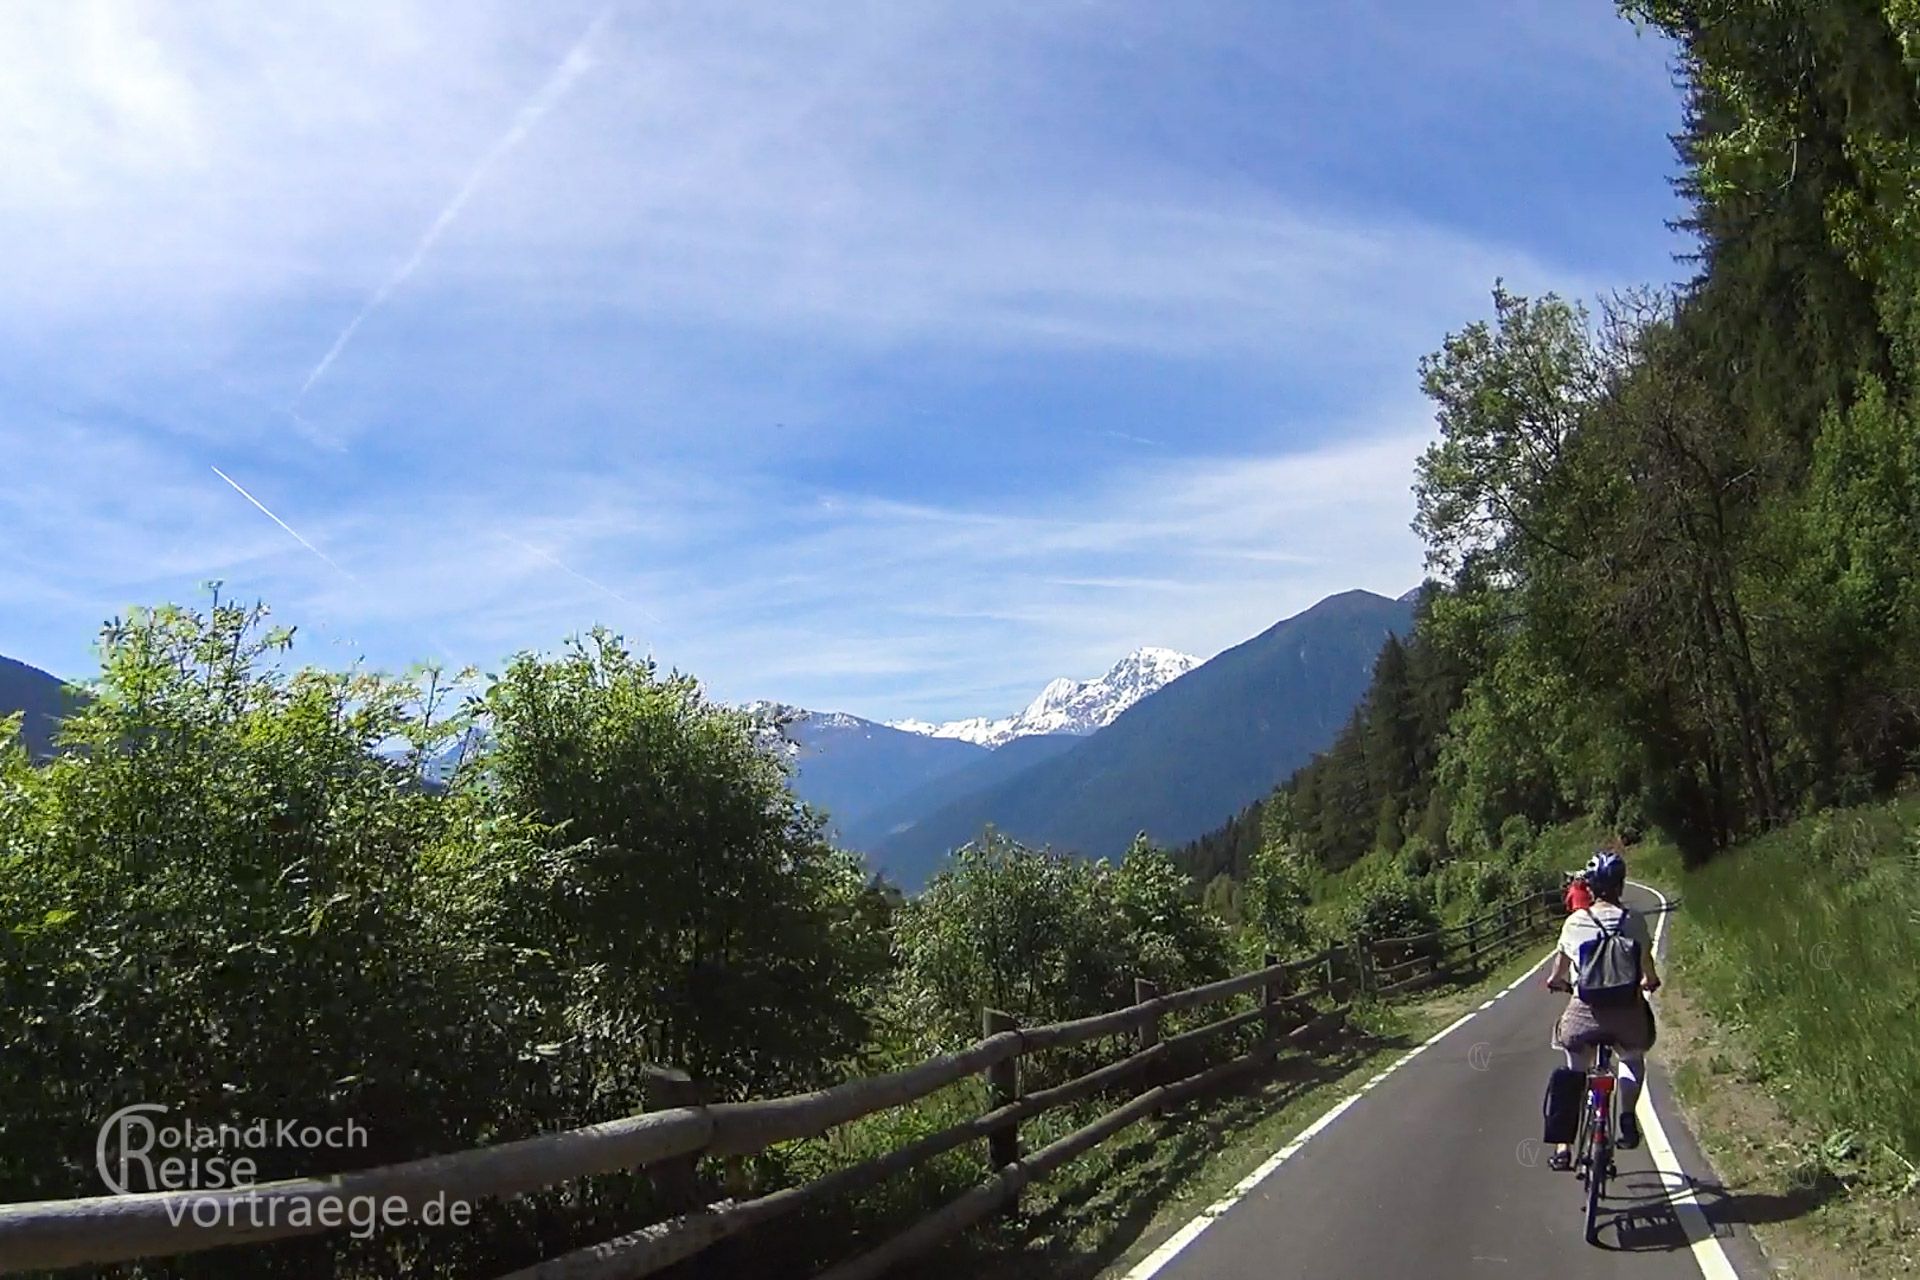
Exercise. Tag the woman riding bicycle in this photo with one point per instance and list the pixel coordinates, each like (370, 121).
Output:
(1628, 1026)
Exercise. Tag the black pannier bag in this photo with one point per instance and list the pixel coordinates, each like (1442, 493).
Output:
(1561, 1110)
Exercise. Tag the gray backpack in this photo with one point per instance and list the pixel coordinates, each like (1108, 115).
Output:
(1607, 971)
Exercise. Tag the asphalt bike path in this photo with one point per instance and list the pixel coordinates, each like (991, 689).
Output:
(1435, 1169)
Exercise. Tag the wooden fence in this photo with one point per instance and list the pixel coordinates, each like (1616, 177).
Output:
(1299, 1004)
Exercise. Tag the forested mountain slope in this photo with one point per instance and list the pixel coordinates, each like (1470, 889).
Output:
(1012, 758)
(846, 766)
(1674, 538)
(1179, 760)
(41, 700)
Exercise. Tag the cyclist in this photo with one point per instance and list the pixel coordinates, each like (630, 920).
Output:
(1627, 1026)
(1577, 896)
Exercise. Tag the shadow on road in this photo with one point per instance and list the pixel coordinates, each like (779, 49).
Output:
(1119, 1206)
(1644, 1220)
(1639, 1217)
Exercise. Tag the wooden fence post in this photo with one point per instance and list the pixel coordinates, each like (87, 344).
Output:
(1143, 991)
(1270, 992)
(1333, 989)
(1363, 964)
(1003, 1086)
(1474, 958)
(676, 1181)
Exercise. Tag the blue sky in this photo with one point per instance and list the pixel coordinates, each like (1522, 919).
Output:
(886, 357)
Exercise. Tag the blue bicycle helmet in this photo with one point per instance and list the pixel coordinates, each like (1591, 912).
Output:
(1606, 873)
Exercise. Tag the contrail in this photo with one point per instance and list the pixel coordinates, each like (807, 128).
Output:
(569, 569)
(431, 637)
(277, 520)
(571, 68)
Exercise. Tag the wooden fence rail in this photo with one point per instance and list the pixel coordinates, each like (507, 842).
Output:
(1162, 1067)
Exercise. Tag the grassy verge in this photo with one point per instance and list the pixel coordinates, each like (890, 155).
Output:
(1792, 1033)
(1116, 1204)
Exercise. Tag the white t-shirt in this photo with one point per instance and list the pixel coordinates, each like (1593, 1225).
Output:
(1582, 927)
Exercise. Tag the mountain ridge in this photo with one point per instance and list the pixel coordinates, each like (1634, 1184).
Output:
(1182, 760)
(845, 765)
(41, 699)
(1069, 706)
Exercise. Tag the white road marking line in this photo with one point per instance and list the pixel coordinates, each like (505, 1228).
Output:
(1708, 1253)
(1173, 1244)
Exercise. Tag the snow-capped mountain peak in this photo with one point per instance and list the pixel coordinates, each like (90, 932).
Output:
(1071, 706)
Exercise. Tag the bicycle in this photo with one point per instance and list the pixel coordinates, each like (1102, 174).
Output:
(1597, 1138)
(1593, 1152)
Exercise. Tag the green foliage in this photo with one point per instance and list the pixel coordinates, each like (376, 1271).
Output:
(223, 898)
(1508, 395)
(1228, 850)
(1278, 891)
(706, 918)
(1010, 928)
(1391, 904)
(1853, 599)
(1043, 936)
(220, 899)
(1464, 888)
(1169, 937)
(1498, 759)
(1861, 516)
(1417, 856)
(1379, 776)
(1225, 898)
(1797, 361)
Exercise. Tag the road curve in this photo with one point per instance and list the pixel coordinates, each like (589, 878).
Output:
(1436, 1171)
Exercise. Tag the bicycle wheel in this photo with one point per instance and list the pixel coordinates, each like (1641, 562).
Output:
(1599, 1156)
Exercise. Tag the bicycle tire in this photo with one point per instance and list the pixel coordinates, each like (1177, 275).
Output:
(1599, 1156)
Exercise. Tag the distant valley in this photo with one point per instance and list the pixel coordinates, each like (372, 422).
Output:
(1162, 743)
(1181, 760)
(870, 778)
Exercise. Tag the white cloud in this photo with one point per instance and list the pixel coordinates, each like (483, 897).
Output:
(743, 211)
(869, 605)
(759, 167)
(978, 598)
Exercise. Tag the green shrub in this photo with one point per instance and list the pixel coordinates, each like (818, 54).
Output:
(1392, 905)
(1516, 838)
(1467, 887)
(1043, 936)
(707, 924)
(1418, 857)
(223, 898)
(1170, 938)
(1276, 901)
